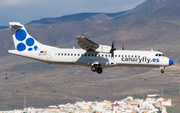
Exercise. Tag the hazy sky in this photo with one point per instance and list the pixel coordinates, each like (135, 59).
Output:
(25, 11)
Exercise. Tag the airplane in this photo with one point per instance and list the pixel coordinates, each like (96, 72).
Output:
(92, 55)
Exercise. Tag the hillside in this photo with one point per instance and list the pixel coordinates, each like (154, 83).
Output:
(66, 18)
(72, 18)
(154, 24)
(44, 84)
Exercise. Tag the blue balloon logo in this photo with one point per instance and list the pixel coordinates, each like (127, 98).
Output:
(21, 35)
(30, 42)
(21, 47)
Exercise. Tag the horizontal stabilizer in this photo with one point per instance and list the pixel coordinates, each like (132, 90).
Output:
(15, 25)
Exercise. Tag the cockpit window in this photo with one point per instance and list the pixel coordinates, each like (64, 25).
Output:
(163, 55)
(160, 55)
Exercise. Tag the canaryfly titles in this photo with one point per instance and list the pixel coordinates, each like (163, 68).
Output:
(140, 60)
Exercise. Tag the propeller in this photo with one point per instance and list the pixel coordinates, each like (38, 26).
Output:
(112, 49)
(123, 48)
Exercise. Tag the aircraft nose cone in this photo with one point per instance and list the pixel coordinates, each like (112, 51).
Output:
(170, 62)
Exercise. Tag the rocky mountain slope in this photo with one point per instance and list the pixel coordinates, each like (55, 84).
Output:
(154, 24)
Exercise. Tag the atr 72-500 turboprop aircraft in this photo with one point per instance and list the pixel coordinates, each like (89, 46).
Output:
(91, 55)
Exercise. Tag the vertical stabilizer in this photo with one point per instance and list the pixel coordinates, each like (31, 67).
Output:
(22, 40)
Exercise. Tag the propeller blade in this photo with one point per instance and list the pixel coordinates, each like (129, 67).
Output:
(123, 48)
(112, 55)
(112, 49)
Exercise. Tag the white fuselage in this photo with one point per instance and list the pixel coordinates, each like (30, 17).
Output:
(88, 58)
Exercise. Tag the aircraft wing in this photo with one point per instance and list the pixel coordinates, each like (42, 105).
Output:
(86, 44)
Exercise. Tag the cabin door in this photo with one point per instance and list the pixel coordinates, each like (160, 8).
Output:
(49, 56)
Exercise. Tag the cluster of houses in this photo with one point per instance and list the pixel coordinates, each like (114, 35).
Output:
(152, 104)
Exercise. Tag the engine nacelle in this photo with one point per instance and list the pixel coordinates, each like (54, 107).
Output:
(103, 49)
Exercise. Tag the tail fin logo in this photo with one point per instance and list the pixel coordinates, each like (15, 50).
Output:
(20, 35)
(24, 42)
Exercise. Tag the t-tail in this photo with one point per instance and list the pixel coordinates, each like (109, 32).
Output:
(26, 45)
(22, 40)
